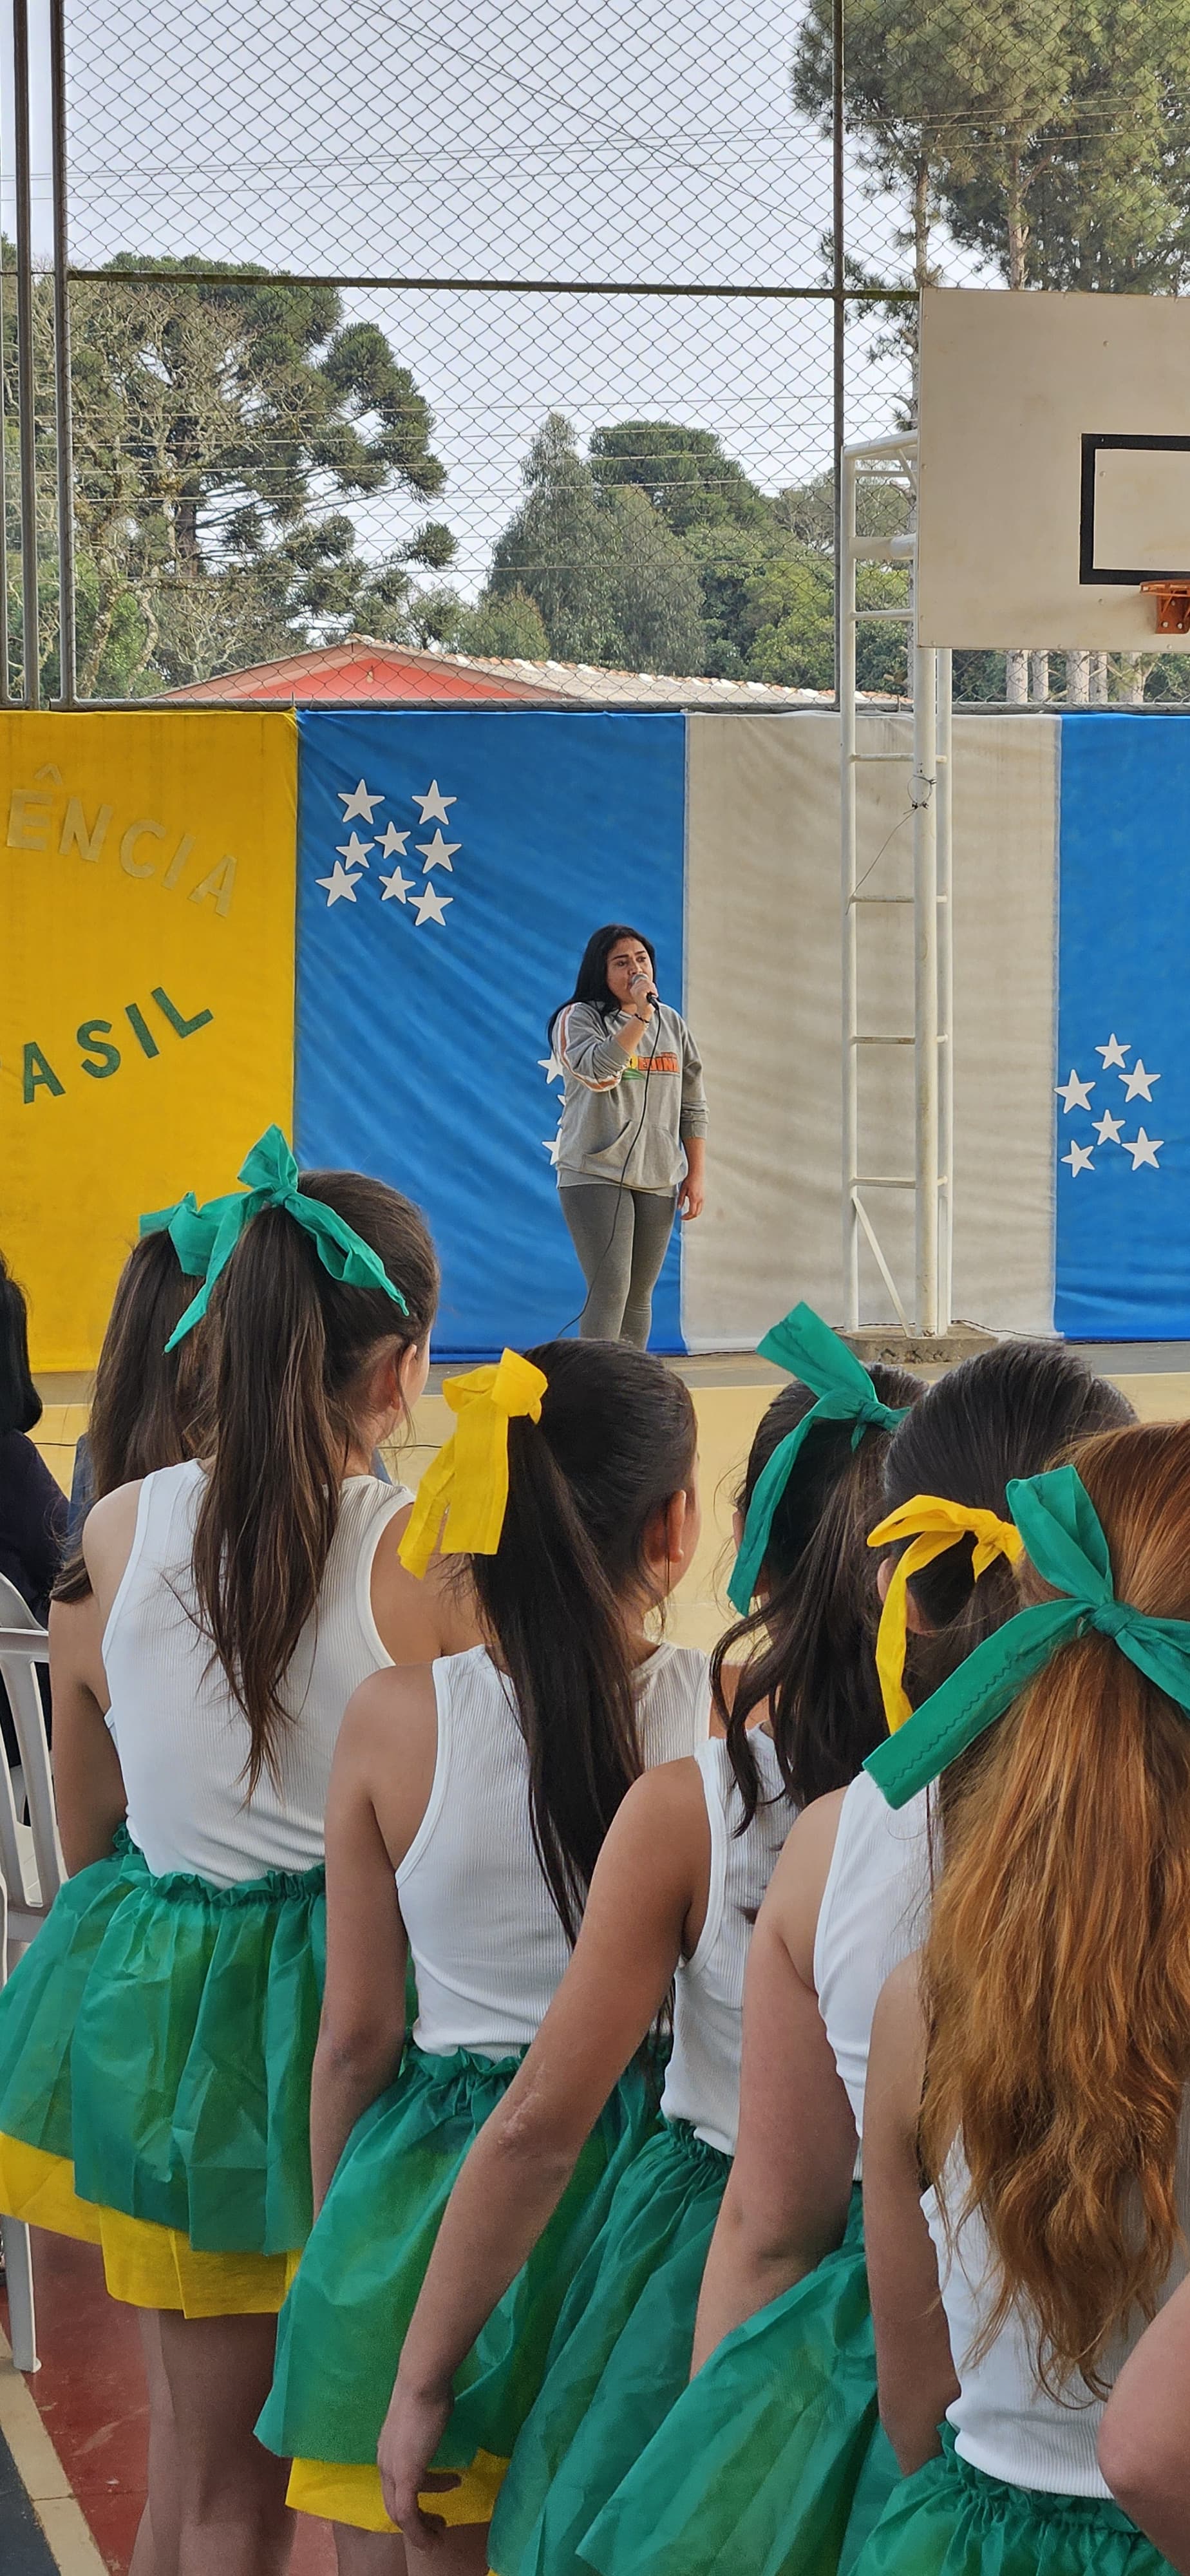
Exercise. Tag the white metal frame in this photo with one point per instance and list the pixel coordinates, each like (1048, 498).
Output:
(31, 1872)
(895, 460)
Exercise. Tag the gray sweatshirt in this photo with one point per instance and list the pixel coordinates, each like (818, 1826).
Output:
(613, 1128)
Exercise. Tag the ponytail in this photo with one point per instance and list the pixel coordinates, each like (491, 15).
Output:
(615, 1441)
(290, 1344)
(1057, 1970)
(811, 1636)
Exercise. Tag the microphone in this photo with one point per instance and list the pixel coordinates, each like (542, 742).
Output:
(644, 990)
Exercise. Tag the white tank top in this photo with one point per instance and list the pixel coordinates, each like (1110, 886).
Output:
(1004, 2422)
(702, 2083)
(873, 1914)
(488, 1948)
(182, 1740)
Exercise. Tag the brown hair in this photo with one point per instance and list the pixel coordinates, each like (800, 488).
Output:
(289, 1346)
(1011, 1411)
(812, 1637)
(1056, 1973)
(145, 1401)
(615, 1441)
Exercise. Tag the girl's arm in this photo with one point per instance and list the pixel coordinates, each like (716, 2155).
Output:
(1144, 2439)
(647, 1901)
(88, 1783)
(913, 2359)
(787, 2195)
(380, 1784)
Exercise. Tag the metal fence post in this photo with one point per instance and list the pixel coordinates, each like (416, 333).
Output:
(30, 631)
(63, 417)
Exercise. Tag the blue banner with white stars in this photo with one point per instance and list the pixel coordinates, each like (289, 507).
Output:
(451, 867)
(1122, 1269)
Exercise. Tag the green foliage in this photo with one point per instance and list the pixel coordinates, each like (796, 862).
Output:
(215, 428)
(685, 473)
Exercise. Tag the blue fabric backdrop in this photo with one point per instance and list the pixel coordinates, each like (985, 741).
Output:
(1123, 1218)
(421, 1027)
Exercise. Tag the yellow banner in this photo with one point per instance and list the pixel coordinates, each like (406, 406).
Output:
(146, 984)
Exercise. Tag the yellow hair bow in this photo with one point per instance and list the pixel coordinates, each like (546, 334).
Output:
(931, 1524)
(468, 1481)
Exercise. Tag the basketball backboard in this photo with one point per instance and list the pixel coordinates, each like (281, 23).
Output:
(1054, 470)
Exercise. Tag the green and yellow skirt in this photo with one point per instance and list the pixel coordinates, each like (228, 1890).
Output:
(156, 2042)
(772, 2462)
(347, 2313)
(952, 2520)
(620, 2356)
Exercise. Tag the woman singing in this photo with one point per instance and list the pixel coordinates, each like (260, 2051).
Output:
(634, 1119)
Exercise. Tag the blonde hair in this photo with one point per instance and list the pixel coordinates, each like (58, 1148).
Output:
(1056, 1974)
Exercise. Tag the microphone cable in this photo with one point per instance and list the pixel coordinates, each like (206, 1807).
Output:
(634, 1140)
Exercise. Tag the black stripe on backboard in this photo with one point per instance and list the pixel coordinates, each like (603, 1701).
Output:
(1088, 570)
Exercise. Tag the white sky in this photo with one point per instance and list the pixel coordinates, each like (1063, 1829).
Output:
(529, 138)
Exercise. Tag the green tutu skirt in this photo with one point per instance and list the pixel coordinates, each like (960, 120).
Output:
(345, 2319)
(619, 2358)
(772, 2462)
(952, 2520)
(156, 2042)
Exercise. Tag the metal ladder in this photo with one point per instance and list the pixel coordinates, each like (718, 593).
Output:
(931, 1148)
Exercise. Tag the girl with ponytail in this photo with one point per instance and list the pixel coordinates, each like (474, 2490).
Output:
(773, 2458)
(672, 1904)
(156, 2040)
(1030, 2067)
(469, 1804)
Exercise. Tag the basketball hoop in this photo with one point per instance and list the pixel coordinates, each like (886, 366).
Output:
(1173, 605)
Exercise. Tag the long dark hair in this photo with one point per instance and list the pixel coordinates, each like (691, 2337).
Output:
(616, 1439)
(812, 1637)
(146, 1402)
(20, 1403)
(591, 984)
(288, 1346)
(1012, 1411)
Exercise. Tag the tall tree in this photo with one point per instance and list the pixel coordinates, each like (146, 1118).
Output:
(685, 472)
(555, 548)
(215, 431)
(611, 580)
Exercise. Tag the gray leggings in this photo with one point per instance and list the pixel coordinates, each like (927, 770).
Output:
(620, 1238)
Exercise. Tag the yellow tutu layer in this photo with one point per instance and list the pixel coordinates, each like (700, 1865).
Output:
(145, 2266)
(352, 2495)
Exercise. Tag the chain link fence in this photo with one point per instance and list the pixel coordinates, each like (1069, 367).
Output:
(530, 331)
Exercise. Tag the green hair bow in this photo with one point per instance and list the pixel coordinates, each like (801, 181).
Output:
(808, 1348)
(271, 1175)
(1064, 1539)
(191, 1231)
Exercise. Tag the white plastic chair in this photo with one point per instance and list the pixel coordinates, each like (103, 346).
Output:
(31, 1872)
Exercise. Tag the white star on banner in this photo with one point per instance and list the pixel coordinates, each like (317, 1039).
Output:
(1108, 1129)
(1075, 1094)
(356, 800)
(551, 1146)
(1113, 1052)
(438, 853)
(1143, 1149)
(394, 843)
(552, 1067)
(433, 806)
(355, 851)
(429, 905)
(340, 885)
(1139, 1081)
(396, 888)
(1079, 1159)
